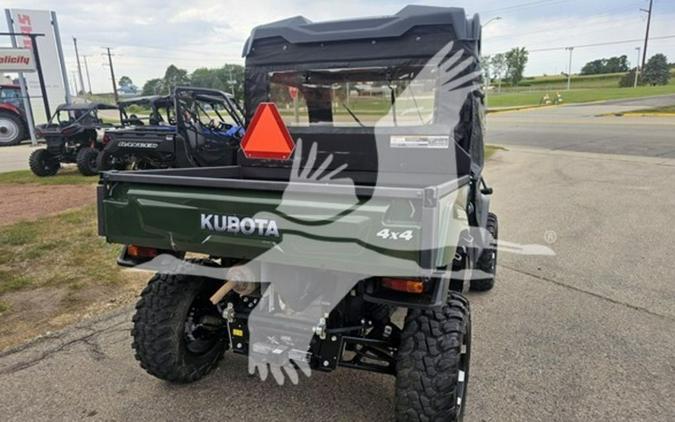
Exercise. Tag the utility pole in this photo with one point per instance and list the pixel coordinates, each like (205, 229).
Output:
(112, 75)
(114, 82)
(637, 68)
(74, 76)
(86, 68)
(569, 69)
(79, 67)
(649, 22)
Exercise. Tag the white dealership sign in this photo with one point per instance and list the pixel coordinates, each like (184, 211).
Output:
(40, 22)
(16, 60)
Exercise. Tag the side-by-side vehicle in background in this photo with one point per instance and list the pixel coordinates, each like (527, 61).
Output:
(209, 131)
(73, 135)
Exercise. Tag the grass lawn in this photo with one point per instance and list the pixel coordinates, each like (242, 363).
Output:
(61, 250)
(490, 150)
(66, 176)
(528, 98)
(55, 270)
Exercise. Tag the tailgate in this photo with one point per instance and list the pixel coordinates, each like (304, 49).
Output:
(247, 223)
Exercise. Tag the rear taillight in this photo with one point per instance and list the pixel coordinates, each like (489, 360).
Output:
(404, 285)
(106, 139)
(141, 252)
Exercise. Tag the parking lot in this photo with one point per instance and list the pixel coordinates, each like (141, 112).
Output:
(588, 334)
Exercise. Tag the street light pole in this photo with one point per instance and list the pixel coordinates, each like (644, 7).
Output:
(497, 18)
(569, 69)
(637, 67)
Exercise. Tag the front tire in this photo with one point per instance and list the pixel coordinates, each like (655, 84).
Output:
(12, 129)
(86, 161)
(433, 363)
(172, 339)
(43, 164)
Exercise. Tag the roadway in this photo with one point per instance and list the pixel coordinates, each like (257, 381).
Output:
(589, 128)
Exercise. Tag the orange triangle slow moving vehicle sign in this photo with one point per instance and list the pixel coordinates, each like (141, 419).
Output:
(267, 136)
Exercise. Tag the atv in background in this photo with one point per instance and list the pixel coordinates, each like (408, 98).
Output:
(207, 132)
(143, 114)
(153, 110)
(13, 125)
(71, 137)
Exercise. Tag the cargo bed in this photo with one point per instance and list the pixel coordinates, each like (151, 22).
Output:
(167, 209)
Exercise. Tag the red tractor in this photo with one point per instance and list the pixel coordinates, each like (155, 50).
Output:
(13, 124)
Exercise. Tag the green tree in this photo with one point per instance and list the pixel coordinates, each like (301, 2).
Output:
(125, 81)
(656, 71)
(153, 87)
(516, 60)
(232, 77)
(611, 65)
(205, 78)
(486, 67)
(174, 77)
(498, 63)
(628, 80)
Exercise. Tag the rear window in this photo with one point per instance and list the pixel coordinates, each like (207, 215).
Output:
(364, 97)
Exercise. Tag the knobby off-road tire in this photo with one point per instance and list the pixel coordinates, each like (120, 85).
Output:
(159, 332)
(487, 262)
(433, 363)
(42, 163)
(104, 161)
(12, 129)
(86, 161)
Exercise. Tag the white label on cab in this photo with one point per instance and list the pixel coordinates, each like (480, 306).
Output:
(420, 141)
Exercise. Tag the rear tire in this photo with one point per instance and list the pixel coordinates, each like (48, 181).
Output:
(104, 162)
(12, 129)
(164, 316)
(86, 161)
(487, 262)
(43, 164)
(433, 363)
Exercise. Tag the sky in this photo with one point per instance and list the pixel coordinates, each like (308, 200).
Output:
(148, 35)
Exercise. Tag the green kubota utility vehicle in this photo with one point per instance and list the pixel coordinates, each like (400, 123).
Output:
(352, 221)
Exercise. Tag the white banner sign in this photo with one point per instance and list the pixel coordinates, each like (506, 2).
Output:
(40, 22)
(16, 60)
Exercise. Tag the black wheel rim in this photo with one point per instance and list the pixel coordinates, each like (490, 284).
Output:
(199, 336)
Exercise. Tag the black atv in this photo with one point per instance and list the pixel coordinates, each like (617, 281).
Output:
(71, 137)
(149, 114)
(202, 128)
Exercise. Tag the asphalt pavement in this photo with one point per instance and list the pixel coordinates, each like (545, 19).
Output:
(591, 127)
(15, 157)
(587, 334)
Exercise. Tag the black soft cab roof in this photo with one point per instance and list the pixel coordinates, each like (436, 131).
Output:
(409, 24)
(400, 42)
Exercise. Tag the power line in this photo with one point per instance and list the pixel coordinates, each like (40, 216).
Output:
(515, 7)
(611, 12)
(151, 47)
(600, 44)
